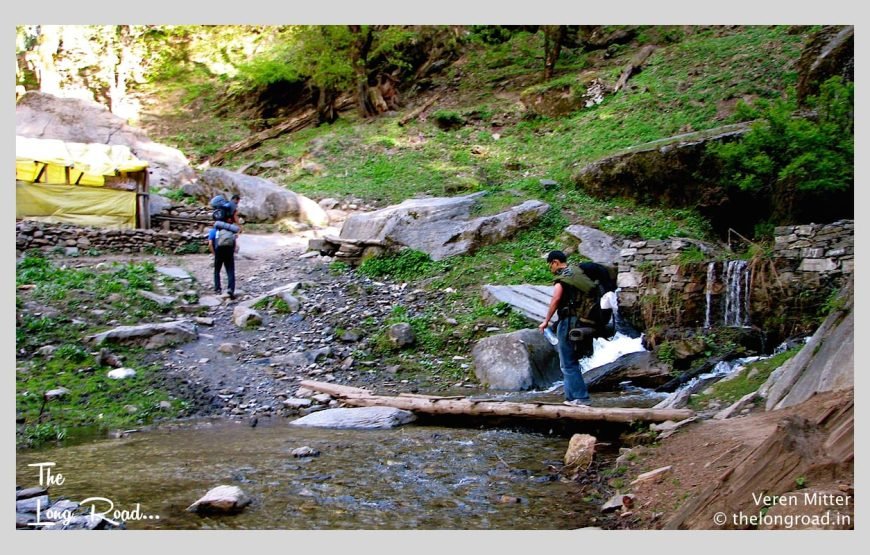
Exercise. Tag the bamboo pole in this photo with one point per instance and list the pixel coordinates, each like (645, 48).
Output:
(480, 407)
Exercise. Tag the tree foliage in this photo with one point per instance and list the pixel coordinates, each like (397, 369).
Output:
(785, 154)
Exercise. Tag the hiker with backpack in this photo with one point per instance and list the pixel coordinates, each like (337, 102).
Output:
(577, 293)
(222, 241)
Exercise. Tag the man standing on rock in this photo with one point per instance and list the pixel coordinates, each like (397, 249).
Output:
(223, 245)
(574, 296)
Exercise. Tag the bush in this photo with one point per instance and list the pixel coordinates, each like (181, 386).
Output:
(784, 155)
(408, 265)
(446, 119)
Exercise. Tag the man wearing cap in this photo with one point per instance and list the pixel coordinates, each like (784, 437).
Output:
(573, 298)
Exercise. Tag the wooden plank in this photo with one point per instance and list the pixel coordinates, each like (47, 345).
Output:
(482, 407)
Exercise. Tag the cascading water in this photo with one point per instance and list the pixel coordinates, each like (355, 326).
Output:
(736, 312)
(708, 292)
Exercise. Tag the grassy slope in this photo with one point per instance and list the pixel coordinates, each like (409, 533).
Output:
(52, 309)
(681, 88)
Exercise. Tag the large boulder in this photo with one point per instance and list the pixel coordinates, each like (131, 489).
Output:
(221, 500)
(45, 116)
(151, 336)
(359, 418)
(667, 172)
(825, 363)
(595, 244)
(262, 200)
(441, 226)
(516, 361)
(828, 53)
(562, 100)
(642, 369)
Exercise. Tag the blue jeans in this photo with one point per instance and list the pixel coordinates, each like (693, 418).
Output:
(575, 386)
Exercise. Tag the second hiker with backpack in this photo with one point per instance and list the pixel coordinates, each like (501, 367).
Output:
(222, 241)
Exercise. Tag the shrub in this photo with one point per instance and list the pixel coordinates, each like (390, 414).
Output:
(784, 155)
(447, 119)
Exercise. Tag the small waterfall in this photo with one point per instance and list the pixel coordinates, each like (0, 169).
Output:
(736, 293)
(708, 291)
(625, 340)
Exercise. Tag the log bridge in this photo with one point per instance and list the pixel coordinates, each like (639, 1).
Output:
(433, 404)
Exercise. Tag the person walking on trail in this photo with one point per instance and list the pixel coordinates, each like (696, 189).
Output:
(575, 297)
(223, 245)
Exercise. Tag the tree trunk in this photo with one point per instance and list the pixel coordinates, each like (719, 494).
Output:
(47, 45)
(476, 407)
(553, 35)
(326, 112)
(359, 59)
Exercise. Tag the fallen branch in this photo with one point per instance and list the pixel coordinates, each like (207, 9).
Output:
(481, 407)
(305, 119)
(633, 66)
(419, 110)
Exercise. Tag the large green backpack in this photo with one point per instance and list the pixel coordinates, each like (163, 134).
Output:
(582, 290)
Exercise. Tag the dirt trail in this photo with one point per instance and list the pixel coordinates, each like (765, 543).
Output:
(241, 382)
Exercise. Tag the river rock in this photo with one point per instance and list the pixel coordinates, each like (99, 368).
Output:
(27, 493)
(121, 373)
(174, 272)
(229, 348)
(580, 451)
(642, 369)
(29, 505)
(296, 403)
(245, 317)
(152, 336)
(359, 418)
(516, 361)
(401, 335)
(305, 451)
(57, 393)
(221, 500)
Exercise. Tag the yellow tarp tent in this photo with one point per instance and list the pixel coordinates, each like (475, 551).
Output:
(58, 203)
(62, 182)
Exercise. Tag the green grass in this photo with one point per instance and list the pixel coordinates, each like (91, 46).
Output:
(732, 390)
(94, 398)
(55, 311)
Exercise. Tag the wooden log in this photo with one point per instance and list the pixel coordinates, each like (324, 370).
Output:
(419, 110)
(482, 407)
(305, 119)
(636, 62)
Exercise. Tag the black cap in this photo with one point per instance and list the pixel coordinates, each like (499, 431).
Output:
(556, 255)
(236, 197)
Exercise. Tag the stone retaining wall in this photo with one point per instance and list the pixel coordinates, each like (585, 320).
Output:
(79, 240)
(666, 282)
(808, 254)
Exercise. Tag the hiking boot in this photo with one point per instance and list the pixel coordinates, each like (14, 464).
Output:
(578, 402)
(232, 295)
